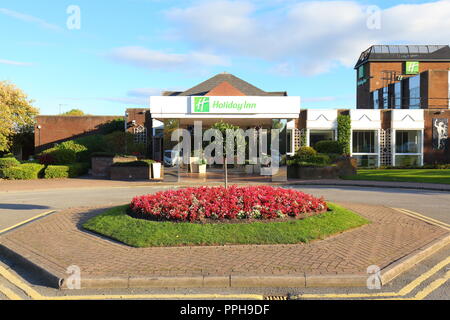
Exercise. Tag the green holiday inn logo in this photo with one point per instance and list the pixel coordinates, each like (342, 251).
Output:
(201, 104)
(412, 67)
(204, 105)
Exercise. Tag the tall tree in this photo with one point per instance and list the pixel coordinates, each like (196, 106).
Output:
(16, 114)
(74, 112)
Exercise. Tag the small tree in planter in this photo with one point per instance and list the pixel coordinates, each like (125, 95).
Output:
(223, 127)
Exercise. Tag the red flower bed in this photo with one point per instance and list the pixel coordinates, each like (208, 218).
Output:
(218, 203)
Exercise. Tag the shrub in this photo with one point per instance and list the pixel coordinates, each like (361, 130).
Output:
(329, 146)
(8, 162)
(69, 171)
(319, 160)
(344, 132)
(60, 156)
(113, 126)
(46, 159)
(306, 151)
(93, 143)
(219, 203)
(140, 163)
(27, 171)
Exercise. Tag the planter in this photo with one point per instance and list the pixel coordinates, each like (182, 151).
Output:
(198, 168)
(257, 168)
(202, 168)
(311, 173)
(131, 173)
(193, 163)
(101, 165)
(156, 170)
(249, 169)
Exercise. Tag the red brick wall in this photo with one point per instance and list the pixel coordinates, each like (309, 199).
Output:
(375, 77)
(57, 129)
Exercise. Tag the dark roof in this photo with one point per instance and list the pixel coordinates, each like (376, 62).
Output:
(243, 86)
(405, 53)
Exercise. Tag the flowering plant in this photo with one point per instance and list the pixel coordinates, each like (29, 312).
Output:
(219, 203)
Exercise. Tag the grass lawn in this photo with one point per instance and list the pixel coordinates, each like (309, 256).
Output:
(406, 175)
(116, 224)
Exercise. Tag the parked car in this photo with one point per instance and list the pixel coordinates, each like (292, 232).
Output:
(172, 158)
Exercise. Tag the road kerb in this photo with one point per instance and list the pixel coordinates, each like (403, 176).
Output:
(398, 267)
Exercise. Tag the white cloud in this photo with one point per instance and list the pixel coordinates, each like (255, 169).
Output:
(157, 60)
(31, 19)
(308, 37)
(15, 63)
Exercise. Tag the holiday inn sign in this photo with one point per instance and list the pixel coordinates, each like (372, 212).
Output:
(167, 107)
(214, 105)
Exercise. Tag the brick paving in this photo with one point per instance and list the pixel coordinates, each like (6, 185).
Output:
(58, 241)
(89, 182)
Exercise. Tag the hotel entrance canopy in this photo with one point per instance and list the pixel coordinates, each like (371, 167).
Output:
(225, 107)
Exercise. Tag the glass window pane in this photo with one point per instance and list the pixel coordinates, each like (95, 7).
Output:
(369, 161)
(364, 141)
(407, 141)
(320, 135)
(405, 161)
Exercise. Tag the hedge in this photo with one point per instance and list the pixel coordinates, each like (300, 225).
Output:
(27, 171)
(58, 156)
(68, 171)
(8, 162)
(140, 163)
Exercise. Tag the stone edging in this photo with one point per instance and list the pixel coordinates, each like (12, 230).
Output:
(388, 274)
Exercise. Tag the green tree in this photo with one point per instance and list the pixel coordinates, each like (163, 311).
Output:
(223, 127)
(74, 113)
(16, 114)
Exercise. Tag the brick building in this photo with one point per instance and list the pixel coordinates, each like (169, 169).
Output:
(401, 118)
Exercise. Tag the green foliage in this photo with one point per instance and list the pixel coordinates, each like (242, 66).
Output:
(8, 162)
(140, 163)
(113, 126)
(329, 146)
(81, 152)
(318, 160)
(344, 132)
(61, 156)
(74, 113)
(68, 171)
(93, 143)
(116, 224)
(16, 114)
(27, 171)
(306, 151)
(120, 142)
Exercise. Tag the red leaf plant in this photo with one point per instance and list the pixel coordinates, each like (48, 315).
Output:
(219, 203)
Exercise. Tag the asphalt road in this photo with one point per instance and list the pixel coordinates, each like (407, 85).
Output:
(18, 206)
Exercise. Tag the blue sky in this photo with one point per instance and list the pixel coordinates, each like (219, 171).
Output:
(127, 50)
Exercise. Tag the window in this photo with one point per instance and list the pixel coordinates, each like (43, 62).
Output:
(290, 141)
(407, 141)
(320, 135)
(398, 95)
(140, 134)
(366, 161)
(361, 72)
(364, 142)
(414, 93)
(376, 101)
(386, 98)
